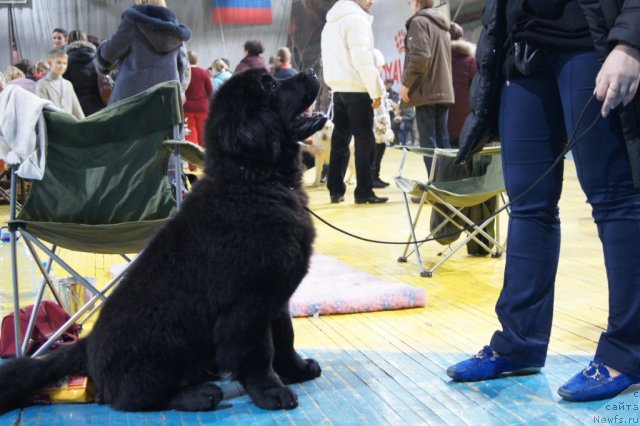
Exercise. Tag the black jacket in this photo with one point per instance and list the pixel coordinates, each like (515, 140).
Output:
(610, 22)
(81, 72)
(480, 126)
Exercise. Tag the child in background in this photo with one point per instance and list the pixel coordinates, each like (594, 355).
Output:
(42, 68)
(14, 75)
(221, 73)
(58, 90)
(407, 126)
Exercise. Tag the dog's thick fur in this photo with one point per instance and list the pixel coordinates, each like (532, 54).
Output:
(210, 292)
(321, 146)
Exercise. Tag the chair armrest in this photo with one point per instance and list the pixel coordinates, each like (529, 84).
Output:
(188, 151)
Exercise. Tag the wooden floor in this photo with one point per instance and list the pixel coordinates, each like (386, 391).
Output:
(389, 367)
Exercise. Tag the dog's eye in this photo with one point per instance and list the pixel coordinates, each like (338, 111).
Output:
(274, 85)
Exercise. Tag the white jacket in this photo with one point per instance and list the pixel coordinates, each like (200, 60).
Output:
(20, 113)
(347, 51)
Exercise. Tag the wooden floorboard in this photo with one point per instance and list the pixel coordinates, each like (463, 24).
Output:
(389, 367)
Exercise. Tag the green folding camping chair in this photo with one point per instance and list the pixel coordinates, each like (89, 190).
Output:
(450, 191)
(107, 186)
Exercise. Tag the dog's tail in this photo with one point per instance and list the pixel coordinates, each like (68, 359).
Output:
(23, 377)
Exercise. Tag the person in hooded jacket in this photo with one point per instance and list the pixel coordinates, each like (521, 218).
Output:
(426, 81)
(81, 71)
(544, 68)
(148, 48)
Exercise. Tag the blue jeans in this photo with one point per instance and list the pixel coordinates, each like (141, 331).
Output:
(432, 127)
(537, 113)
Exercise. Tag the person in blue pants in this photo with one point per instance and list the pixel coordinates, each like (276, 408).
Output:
(551, 74)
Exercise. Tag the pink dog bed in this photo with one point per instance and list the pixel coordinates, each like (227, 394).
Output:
(332, 287)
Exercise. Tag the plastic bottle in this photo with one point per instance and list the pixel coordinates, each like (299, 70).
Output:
(28, 274)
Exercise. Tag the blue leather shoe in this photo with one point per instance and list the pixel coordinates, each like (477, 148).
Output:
(486, 365)
(595, 383)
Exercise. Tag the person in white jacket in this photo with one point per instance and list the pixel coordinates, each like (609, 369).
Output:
(350, 72)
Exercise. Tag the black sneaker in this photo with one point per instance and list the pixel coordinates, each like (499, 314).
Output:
(335, 199)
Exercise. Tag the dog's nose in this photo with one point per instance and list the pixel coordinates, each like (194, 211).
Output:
(310, 72)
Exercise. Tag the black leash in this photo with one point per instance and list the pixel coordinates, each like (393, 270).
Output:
(571, 143)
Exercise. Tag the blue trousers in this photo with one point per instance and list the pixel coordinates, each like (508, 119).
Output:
(537, 113)
(432, 127)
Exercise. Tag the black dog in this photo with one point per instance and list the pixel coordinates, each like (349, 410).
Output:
(210, 292)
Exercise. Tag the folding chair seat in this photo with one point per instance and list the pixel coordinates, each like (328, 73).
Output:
(105, 189)
(449, 190)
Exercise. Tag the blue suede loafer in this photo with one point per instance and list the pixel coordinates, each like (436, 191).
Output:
(486, 365)
(595, 383)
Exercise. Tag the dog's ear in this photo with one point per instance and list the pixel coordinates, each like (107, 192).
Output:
(253, 135)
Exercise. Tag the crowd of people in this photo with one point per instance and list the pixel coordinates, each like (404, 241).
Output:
(82, 74)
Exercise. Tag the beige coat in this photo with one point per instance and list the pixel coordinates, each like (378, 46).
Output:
(427, 63)
(62, 95)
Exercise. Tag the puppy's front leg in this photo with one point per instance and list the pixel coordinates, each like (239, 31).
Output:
(248, 352)
(290, 366)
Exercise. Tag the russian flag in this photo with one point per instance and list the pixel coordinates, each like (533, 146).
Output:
(241, 12)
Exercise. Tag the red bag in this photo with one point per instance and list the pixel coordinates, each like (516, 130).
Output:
(49, 319)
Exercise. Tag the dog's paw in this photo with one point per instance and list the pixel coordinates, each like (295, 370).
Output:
(277, 398)
(309, 370)
(312, 369)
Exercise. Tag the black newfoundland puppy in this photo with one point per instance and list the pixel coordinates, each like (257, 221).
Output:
(210, 293)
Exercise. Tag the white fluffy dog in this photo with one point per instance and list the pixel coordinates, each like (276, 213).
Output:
(321, 147)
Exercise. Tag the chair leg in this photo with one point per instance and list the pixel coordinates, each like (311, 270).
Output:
(62, 263)
(477, 229)
(412, 236)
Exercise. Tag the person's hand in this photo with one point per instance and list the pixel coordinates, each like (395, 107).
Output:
(404, 93)
(376, 103)
(618, 78)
